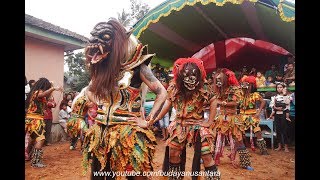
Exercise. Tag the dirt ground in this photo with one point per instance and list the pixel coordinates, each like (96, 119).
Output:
(63, 163)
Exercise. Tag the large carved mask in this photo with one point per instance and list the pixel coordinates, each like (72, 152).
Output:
(220, 79)
(188, 73)
(224, 78)
(190, 76)
(248, 83)
(100, 42)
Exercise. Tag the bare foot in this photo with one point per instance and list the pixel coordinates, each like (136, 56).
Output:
(286, 150)
(277, 149)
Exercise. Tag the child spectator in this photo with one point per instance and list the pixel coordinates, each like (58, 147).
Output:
(279, 78)
(69, 110)
(63, 115)
(260, 80)
(269, 82)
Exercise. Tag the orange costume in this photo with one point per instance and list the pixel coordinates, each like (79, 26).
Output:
(191, 109)
(34, 123)
(229, 124)
(249, 112)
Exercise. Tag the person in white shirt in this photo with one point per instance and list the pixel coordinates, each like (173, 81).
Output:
(63, 116)
(279, 105)
(26, 89)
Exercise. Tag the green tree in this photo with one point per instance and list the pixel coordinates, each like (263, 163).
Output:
(138, 9)
(124, 18)
(78, 71)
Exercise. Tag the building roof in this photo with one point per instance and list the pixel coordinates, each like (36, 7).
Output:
(33, 21)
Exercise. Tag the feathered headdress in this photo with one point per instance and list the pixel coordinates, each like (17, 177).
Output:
(179, 63)
(249, 79)
(232, 80)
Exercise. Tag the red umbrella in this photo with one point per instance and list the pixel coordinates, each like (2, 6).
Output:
(238, 52)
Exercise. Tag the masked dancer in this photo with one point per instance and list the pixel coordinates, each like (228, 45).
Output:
(189, 93)
(229, 125)
(119, 140)
(34, 120)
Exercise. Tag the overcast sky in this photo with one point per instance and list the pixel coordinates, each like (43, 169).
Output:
(79, 16)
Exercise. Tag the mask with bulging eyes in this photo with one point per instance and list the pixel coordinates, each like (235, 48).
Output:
(190, 80)
(245, 85)
(219, 81)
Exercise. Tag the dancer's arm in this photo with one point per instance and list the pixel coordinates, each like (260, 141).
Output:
(163, 112)
(155, 86)
(262, 105)
(49, 91)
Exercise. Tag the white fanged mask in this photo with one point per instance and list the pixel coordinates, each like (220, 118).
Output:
(219, 82)
(245, 85)
(100, 43)
(190, 80)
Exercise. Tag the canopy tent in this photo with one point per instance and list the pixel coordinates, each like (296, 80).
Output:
(238, 52)
(181, 28)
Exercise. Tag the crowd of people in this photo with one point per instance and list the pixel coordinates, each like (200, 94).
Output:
(191, 107)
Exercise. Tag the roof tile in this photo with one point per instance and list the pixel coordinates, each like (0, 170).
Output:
(53, 28)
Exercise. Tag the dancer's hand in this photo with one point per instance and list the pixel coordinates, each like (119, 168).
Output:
(138, 121)
(58, 88)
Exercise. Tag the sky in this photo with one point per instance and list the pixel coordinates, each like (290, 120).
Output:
(79, 16)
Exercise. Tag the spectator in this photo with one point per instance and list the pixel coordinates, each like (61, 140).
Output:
(287, 101)
(69, 104)
(156, 68)
(63, 115)
(26, 88)
(260, 80)
(48, 119)
(31, 83)
(279, 78)
(253, 72)
(244, 72)
(272, 72)
(69, 96)
(290, 60)
(291, 128)
(279, 104)
(289, 76)
(270, 82)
